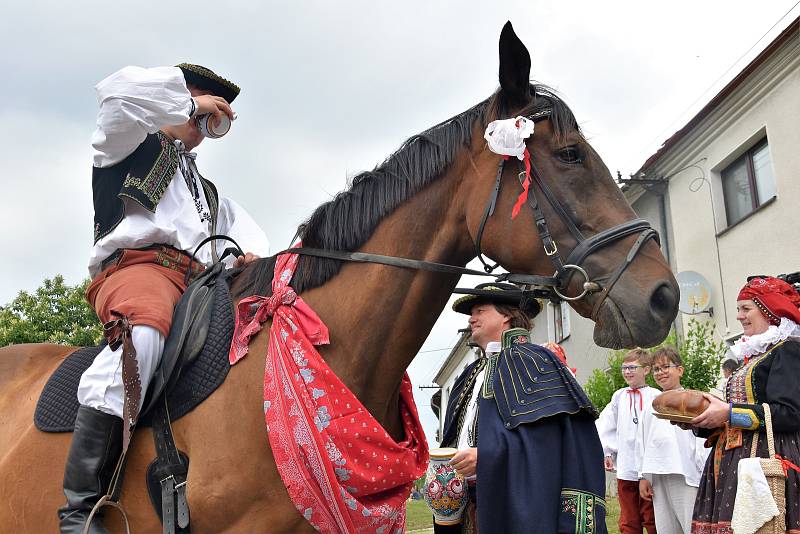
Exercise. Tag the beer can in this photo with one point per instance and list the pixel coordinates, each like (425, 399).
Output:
(208, 128)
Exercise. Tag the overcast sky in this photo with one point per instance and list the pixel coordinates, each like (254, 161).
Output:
(330, 89)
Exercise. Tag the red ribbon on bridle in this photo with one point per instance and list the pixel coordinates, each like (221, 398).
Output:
(526, 183)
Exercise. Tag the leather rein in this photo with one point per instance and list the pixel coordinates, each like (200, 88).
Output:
(549, 287)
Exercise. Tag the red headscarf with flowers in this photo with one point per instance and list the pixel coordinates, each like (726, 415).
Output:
(774, 298)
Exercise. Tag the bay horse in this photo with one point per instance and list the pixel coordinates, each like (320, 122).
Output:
(426, 201)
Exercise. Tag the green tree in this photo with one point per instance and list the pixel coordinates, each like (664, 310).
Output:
(700, 352)
(54, 313)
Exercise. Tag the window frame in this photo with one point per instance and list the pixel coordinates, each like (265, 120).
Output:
(747, 156)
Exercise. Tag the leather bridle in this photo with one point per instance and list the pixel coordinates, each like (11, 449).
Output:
(550, 287)
(565, 269)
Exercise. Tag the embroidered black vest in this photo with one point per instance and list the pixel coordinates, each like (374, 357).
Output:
(143, 177)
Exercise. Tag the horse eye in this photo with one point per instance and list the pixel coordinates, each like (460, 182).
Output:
(571, 155)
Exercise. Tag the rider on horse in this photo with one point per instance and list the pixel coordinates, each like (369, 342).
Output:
(152, 208)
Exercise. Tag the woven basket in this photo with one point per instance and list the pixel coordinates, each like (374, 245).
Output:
(776, 479)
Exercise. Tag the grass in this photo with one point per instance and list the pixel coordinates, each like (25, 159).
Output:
(612, 515)
(419, 517)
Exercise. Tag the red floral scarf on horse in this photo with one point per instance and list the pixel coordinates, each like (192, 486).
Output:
(342, 470)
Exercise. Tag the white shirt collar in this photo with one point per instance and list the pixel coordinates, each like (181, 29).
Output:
(493, 347)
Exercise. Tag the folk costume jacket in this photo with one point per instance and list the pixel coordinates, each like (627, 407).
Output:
(146, 187)
(540, 461)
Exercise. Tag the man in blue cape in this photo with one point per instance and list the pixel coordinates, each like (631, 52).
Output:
(523, 427)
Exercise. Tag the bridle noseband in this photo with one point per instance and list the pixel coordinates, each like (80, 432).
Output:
(565, 269)
(549, 287)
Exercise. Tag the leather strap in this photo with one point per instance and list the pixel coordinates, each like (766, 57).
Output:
(488, 212)
(118, 332)
(238, 250)
(406, 263)
(650, 233)
(171, 472)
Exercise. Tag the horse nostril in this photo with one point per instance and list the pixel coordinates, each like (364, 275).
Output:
(663, 301)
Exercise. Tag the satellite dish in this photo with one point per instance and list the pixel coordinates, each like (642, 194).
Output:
(695, 292)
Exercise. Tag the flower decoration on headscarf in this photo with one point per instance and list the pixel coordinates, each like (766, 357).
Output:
(773, 297)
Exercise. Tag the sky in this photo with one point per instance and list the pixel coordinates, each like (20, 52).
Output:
(332, 88)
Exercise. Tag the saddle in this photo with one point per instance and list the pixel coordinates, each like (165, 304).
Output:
(194, 364)
(195, 351)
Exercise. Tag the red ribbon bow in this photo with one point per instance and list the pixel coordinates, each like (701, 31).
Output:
(632, 393)
(787, 464)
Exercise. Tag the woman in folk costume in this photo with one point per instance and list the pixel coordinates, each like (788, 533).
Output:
(532, 460)
(770, 373)
(151, 210)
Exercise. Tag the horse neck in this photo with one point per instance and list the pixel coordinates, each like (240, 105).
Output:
(379, 316)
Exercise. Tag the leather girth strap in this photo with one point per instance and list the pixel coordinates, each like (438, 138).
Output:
(171, 471)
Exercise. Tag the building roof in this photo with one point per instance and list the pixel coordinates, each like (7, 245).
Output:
(790, 31)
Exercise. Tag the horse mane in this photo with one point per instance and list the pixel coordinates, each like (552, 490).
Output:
(346, 222)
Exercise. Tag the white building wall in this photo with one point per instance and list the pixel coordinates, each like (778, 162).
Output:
(765, 242)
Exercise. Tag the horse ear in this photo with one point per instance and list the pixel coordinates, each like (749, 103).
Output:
(515, 68)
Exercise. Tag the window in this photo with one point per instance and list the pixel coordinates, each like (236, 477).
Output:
(748, 182)
(558, 327)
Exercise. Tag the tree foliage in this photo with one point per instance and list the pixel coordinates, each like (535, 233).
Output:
(700, 352)
(54, 313)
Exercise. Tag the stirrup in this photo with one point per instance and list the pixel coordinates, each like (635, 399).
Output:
(106, 500)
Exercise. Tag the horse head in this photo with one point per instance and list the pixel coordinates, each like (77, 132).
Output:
(576, 217)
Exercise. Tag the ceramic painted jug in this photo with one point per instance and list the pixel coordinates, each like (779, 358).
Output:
(445, 491)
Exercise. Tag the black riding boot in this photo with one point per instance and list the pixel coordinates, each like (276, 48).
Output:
(96, 447)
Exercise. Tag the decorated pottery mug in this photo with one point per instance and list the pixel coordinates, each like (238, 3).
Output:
(210, 129)
(445, 491)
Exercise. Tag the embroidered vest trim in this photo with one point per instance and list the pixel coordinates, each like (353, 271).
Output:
(142, 177)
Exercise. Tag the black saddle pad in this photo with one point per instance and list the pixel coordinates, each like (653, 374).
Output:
(58, 403)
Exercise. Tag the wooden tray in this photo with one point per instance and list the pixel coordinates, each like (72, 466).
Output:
(676, 418)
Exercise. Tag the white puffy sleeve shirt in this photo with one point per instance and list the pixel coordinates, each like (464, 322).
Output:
(135, 102)
(620, 430)
(667, 449)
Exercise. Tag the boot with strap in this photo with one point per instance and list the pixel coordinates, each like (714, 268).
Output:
(92, 460)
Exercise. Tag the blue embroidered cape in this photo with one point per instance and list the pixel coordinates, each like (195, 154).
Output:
(540, 462)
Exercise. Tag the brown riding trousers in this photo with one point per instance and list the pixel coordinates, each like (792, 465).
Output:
(143, 285)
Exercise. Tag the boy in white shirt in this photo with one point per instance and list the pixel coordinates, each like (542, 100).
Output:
(620, 434)
(672, 458)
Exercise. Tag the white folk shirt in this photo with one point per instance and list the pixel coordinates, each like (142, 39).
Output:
(666, 449)
(620, 429)
(493, 347)
(135, 102)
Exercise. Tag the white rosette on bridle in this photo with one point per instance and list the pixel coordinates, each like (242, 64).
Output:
(507, 136)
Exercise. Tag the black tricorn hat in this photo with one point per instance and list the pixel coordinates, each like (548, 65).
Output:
(204, 78)
(496, 293)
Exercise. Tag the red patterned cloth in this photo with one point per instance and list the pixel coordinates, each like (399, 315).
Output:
(776, 297)
(342, 470)
(558, 350)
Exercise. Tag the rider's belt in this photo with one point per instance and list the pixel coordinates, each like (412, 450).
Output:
(163, 255)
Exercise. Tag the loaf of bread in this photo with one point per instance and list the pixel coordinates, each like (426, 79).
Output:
(686, 403)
